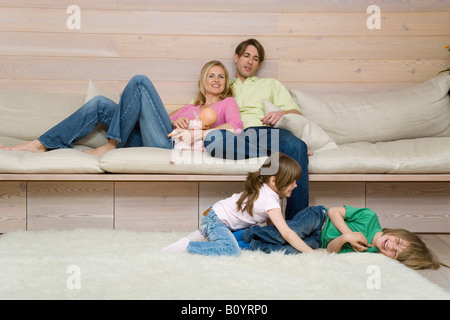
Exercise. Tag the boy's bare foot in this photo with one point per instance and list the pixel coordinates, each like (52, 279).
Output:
(34, 146)
(100, 151)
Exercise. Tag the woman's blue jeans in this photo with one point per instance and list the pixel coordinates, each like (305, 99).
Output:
(306, 224)
(221, 241)
(263, 141)
(140, 119)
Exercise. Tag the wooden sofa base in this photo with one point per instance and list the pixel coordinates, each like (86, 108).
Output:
(419, 203)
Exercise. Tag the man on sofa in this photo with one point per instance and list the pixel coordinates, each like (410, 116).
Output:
(259, 138)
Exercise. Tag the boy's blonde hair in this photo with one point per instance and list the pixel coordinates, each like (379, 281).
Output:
(417, 255)
(288, 171)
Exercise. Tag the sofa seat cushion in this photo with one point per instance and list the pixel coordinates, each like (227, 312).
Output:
(56, 161)
(423, 155)
(158, 161)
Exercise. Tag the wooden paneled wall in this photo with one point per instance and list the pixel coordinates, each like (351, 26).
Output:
(312, 45)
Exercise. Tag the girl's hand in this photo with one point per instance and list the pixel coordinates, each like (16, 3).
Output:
(180, 123)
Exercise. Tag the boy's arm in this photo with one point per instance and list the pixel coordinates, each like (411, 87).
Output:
(356, 239)
(336, 216)
(276, 216)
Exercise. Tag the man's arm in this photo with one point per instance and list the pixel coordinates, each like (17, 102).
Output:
(272, 118)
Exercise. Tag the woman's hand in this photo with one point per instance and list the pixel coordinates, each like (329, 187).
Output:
(180, 123)
(187, 136)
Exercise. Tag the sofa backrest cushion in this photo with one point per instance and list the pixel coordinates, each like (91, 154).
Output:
(415, 112)
(25, 115)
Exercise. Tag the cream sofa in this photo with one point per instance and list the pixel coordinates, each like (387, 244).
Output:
(404, 131)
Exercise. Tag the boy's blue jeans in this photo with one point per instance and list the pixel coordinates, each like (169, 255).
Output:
(140, 119)
(263, 141)
(220, 238)
(306, 224)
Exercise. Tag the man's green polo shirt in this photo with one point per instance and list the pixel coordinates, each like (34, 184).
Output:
(251, 94)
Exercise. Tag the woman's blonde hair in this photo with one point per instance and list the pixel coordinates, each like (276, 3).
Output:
(200, 99)
(417, 255)
(288, 171)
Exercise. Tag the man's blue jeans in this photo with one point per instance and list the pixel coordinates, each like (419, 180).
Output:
(140, 119)
(263, 141)
(306, 224)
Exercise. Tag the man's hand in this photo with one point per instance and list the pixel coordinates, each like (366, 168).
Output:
(272, 118)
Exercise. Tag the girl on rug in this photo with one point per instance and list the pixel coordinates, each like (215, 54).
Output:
(256, 204)
(343, 229)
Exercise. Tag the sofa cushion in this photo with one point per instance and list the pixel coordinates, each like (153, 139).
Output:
(425, 155)
(26, 115)
(416, 112)
(157, 160)
(56, 161)
(304, 129)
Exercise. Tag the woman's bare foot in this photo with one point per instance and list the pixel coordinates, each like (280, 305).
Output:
(34, 146)
(100, 151)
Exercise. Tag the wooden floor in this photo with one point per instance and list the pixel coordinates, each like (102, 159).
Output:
(440, 245)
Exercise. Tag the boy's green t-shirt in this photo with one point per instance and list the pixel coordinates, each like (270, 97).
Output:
(358, 220)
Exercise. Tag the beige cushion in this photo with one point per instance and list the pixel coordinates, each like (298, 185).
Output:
(304, 129)
(416, 112)
(56, 161)
(425, 155)
(157, 160)
(26, 115)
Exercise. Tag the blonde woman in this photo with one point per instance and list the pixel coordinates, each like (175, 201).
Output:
(140, 118)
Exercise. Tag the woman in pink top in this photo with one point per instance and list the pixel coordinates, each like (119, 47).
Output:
(140, 118)
(259, 202)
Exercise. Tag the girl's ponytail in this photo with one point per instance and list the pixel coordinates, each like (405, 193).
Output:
(288, 171)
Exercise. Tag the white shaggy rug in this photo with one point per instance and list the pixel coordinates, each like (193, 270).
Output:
(104, 264)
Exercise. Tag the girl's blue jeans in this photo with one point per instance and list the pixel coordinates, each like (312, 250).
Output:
(307, 224)
(220, 242)
(140, 119)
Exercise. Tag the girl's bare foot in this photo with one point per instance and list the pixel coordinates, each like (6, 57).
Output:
(34, 146)
(100, 151)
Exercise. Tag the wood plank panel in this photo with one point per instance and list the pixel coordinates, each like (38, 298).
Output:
(284, 5)
(355, 24)
(367, 71)
(13, 206)
(109, 69)
(238, 5)
(69, 205)
(415, 206)
(58, 44)
(140, 22)
(285, 48)
(337, 194)
(211, 192)
(61, 4)
(156, 206)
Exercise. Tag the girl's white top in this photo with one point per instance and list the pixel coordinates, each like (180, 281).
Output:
(226, 210)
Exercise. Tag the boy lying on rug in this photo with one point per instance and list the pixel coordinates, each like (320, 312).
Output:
(342, 229)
